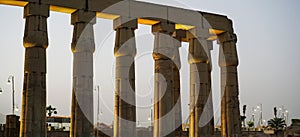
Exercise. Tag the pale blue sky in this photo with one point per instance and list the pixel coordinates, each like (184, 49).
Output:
(267, 46)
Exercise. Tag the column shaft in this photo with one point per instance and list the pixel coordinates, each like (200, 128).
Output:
(33, 116)
(200, 104)
(228, 61)
(12, 126)
(125, 102)
(83, 47)
(165, 52)
(210, 98)
(177, 101)
(178, 35)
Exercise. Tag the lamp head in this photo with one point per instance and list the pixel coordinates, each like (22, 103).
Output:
(11, 77)
(17, 108)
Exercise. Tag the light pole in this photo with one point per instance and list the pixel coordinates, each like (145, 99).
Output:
(98, 108)
(150, 115)
(98, 115)
(287, 117)
(11, 79)
(259, 108)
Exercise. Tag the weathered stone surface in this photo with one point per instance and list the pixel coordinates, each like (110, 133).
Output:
(228, 61)
(83, 17)
(112, 9)
(125, 14)
(33, 116)
(124, 22)
(165, 51)
(36, 9)
(210, 98)
(201, 109)
(178, 35)
(198, 33)
(12, 126)
(164, 27)
(125, 102)
(83, 47)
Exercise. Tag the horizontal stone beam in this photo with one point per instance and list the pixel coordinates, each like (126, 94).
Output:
(146, 13)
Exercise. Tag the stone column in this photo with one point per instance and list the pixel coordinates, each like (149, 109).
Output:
(83, 47)
(125, 103)
(228, 61)
(200, 108)
(210, 98)
(165, 52)
(33, 115)
(12, 126)
(178, 35)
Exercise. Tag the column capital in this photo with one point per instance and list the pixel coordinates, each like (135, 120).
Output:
(198, 33)
(35, 33)
(228, 53)
(83, 34)
(164, 27)
(227, 37)
(125, 22)
(180, 34)
(198, 52)
(83, 17)
(36, 9)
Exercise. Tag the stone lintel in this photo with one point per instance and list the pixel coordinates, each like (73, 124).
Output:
(216, 21)
(36, 9)
(109, 5)
(40, 1)
(111, 9)
(164, 27)
(72, 4)
(227, 37)
(83, 16)
(198, 33)
(125, 22)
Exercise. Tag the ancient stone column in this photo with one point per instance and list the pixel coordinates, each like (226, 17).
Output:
(165, 55)
(83, 47)
(178, 35)
(200, 107)
(125, 102)
(12, 126)
(210, 98)
(228, 61)
(33, 116)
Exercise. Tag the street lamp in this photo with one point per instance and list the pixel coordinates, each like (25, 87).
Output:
(285, 116)
(98, 115)
(11, 80)
(283, 112)
(259, 107)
